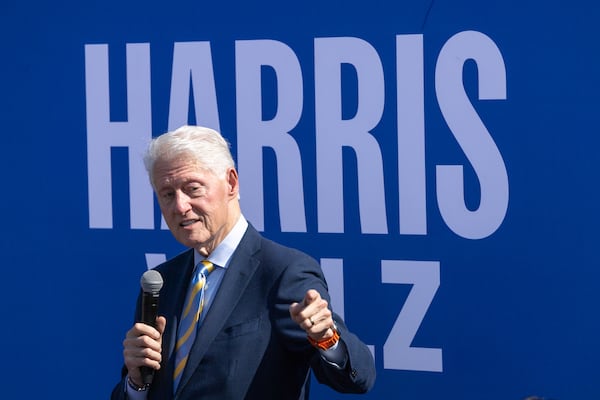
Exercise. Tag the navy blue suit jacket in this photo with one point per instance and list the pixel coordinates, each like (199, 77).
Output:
(248, 347)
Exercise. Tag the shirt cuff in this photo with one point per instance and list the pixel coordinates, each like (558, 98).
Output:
(134, 394)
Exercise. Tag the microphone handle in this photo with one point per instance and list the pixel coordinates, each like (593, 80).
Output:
(149, 314)
(149, 308)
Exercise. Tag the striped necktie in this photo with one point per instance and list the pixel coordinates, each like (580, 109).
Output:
(186, 333)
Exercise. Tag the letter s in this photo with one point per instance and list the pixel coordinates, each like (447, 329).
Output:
(472, 135)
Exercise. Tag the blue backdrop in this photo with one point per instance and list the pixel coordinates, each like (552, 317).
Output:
(438, 157)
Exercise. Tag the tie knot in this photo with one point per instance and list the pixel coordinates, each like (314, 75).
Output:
(207, 267)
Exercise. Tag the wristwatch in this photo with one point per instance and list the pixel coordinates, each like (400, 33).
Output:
(136, 387)
(326, 343)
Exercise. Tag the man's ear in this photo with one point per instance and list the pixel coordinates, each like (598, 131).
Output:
(233, 181)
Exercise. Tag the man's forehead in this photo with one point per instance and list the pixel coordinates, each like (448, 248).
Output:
(177, 170)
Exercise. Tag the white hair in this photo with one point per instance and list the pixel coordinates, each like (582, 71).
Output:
(203, 145)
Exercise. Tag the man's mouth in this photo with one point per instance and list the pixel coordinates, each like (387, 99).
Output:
(188, 222)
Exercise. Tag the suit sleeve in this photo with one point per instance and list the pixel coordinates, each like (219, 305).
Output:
(358, 376)
(118, 392)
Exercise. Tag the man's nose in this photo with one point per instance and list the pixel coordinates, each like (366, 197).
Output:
(182, 203)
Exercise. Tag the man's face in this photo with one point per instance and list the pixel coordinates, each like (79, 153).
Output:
(196, 204)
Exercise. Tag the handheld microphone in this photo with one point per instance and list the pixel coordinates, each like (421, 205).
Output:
(151, 283)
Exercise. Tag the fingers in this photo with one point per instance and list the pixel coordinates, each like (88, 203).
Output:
(313, 315)
(142, 346)
(318, 321)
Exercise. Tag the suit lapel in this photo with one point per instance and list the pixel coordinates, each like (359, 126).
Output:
(237, 276)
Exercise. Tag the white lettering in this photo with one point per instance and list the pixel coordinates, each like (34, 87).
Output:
(192, 62)
(102, 135)
(254, 133)
(333, 133)
(472, 135)
(411, 134)
(397, 350)
(333, 268)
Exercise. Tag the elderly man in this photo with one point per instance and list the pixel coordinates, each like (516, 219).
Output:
(241, 317)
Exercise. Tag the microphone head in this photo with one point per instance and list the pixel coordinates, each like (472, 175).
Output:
(151, 281)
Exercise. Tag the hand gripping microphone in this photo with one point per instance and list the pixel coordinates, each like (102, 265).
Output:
(151, 283)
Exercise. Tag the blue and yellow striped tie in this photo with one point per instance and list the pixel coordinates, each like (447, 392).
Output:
(186, 333)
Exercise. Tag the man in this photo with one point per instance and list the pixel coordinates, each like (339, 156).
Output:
(264, 321)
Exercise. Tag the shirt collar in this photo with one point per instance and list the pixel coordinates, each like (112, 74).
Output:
(221, 255)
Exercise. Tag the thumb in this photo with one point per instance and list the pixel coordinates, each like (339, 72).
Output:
(161, 323)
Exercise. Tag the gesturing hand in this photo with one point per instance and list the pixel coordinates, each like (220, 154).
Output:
(313, 315)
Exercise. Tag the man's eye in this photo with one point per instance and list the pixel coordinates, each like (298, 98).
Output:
(193, 190)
